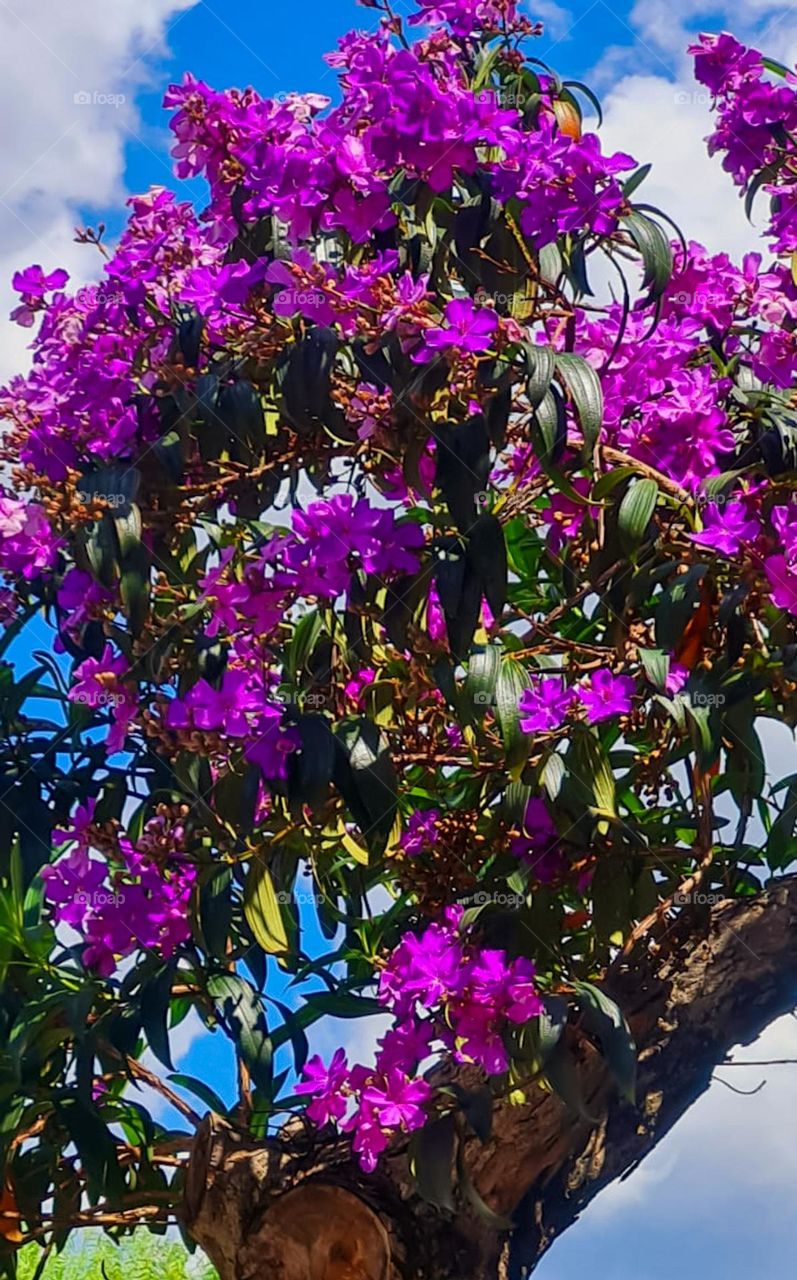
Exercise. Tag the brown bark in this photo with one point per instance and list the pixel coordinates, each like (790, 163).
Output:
(295, 1209)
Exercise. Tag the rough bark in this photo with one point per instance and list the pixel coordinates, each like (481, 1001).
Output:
(296, 1210)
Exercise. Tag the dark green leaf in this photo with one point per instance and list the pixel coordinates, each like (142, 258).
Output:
(433, 1152)
(584, 386)
(603, 1018)
(241, 1013)
(636, 512)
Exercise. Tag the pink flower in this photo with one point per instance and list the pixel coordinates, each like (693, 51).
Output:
(32, 284)
(545, 705)
(421, 832)
(398, 1102)
(783, 581)
(727, 529)
(469, 329)
(327, 1085)
(605, 695)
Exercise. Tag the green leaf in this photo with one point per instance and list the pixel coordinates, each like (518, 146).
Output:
(780, 842)
(433, 1160)
(595, 771)
(603, 1018)
(344, 1004)
(200, 1090)
(155, 998)
(263, 911)
(540, 366)
(609, 481)
(654, 247)
(95, 1147)
(102, 550)
(636, 512)
(551, 1026)
(549, 427)
(134, 585)
(241, 1013)
(310, 769)
(479, 688)
(365, 776)
(488, 559)
(303, 642)
(552, 775)
(511, 684)
(586, 392)
(656, 664)
(636, 180)
(588, 94)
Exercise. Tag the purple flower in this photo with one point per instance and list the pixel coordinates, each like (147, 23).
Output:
(469, 329)
(32, 284)
(605, 695)
(370, 1139)
(233, 708)
(783, 581)
(27, 543)
(405, 1046)
(677, 676)
(727, 529)
(77, 829)
(421, 832)
(397, 1102)
(327, 1085)
(545, 705)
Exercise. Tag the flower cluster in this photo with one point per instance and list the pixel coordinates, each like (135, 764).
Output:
(444, 990)
(135, 896)
(756, 124)
(28, 544)
(546, 704)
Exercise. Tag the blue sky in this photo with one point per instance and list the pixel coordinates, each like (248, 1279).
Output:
(715, 1199)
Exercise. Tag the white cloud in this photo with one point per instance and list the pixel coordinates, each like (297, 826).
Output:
(724, 1143)
(665, 122)
(661, 114)
(69, 74)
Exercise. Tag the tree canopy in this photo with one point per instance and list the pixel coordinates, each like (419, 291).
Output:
(414, 530)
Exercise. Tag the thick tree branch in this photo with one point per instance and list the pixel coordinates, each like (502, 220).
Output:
(296, 1210)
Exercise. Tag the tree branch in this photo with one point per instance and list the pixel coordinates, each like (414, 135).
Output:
(716, 979)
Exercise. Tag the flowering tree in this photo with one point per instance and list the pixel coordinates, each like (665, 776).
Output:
(415, 532)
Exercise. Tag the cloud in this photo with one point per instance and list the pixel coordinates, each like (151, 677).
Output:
(661, 115)
(69, 74)
(665, 122)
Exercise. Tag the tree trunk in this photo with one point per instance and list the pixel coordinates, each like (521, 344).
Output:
(297, 1208)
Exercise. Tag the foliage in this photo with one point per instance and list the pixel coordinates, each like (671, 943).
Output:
(469, 715)
(141, 1256)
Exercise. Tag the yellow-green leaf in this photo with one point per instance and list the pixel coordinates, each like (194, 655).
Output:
(262, 910)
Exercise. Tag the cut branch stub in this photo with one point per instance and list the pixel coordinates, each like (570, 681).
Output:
(237, 1209)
